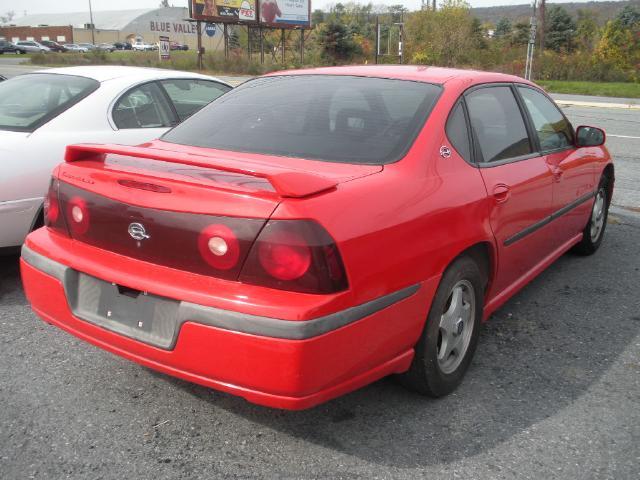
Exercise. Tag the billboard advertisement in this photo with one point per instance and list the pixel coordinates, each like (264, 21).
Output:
(231, 11)
(286, 13)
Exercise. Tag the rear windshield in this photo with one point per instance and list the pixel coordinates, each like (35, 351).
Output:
(323, 117)
(28, 101)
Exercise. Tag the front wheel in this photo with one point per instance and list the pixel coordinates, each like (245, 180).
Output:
(593, 232)
(450, 336)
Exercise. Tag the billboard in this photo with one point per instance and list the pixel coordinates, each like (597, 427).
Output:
(231, 11)
(285, 13)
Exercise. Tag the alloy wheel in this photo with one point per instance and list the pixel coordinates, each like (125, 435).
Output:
(456, 326)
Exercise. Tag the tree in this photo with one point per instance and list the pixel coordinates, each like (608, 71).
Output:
(629, 17)
(503, 28)
(560, 29)
(478, 33)
(317, 17)
(397, 12)
(619, 45)
(164, 4)
(444, 37)
(521, 33)
(337, 42)
(7, 17)
(587, 30)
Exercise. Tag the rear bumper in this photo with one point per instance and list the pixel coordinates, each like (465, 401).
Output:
(274, 362)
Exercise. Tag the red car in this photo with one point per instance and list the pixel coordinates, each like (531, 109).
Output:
(313, 231)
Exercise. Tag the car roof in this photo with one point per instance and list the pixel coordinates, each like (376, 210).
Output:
(102, 73)
(420, 73)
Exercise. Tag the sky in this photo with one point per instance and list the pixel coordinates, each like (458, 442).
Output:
(53, 6)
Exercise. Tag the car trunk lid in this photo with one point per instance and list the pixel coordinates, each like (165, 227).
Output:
(172, 207)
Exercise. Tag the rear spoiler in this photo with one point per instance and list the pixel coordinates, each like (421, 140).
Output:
(286, 184)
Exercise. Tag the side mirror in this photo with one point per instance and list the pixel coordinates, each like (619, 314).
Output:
(589, 136)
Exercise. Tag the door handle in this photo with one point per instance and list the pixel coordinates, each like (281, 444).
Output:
(501, 193)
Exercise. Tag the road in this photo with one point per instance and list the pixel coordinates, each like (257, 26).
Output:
(553, 391)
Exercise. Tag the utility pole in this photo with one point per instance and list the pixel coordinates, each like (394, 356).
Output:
(542, 14)
(377, 38)
(93, 29)
(532, 43)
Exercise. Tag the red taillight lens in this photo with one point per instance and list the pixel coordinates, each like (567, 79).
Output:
(219, 246)
(285, 256)
(296, 255)
(52, 217)
(78, 215)
(51, 204)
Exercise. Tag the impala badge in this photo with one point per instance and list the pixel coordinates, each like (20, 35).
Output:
(137, 232)
(445, 152)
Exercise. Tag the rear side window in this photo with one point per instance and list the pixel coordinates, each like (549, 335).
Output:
(497, 124)
(458, 133)
(143, 107)
(29, 101)
(553, 129)
(333, 118)
(190, 95)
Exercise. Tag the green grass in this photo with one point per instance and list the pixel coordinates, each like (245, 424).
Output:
(600, 89)
(213, 62)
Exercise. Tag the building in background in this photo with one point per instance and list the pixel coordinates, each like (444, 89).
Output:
(113, 26)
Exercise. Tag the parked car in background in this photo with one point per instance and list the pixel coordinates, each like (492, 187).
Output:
(10, 47)
(31, 46)
(122, 46)
(178, 46)
(42, 112)
(88, 46)
(106, 47)
(75, 48)
(54, 46)
(313, 231)
(143, 47)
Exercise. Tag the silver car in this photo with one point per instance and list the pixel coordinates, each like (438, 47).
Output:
(31, 46)
(72, 47)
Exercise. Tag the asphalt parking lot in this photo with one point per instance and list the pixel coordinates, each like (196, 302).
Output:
(553, 392)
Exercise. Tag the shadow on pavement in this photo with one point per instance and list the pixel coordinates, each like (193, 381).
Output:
(536, 356)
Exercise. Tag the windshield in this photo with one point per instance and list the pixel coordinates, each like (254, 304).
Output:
(29, 101)
(334, 118)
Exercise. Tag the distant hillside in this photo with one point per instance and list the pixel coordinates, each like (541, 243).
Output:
(604, 10)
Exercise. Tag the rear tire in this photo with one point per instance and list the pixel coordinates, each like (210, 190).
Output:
(593, 232)
(450, 335)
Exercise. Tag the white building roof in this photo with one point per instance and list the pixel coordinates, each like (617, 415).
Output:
(103, 20)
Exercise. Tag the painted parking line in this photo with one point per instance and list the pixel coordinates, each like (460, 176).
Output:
(579, 103)
(622, 136)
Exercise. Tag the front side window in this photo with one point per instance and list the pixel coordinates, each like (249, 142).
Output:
(553, 129)
(190, 95)
(333, 118)
(29, 101)
(143, 107)
(497, 124)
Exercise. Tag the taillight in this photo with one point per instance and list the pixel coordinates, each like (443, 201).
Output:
(285, 255)
(51, 205)
(296, 255)
(52, 217)
(219, 247)
(77, 215)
